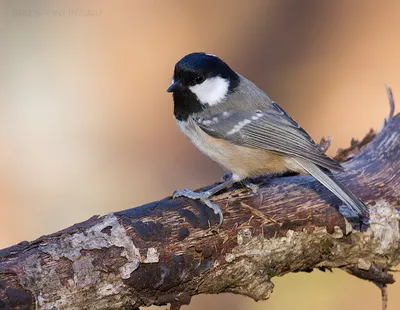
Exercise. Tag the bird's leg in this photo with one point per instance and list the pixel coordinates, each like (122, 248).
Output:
(226, 177)
(204, 196)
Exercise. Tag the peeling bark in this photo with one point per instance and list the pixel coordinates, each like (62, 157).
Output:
(169, 250)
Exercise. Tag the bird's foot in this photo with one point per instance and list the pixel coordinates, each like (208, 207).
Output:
(251, 186)
(203, 197)
(255, 188)
(191, 194)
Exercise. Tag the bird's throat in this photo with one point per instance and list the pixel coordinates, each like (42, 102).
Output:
(186, 104)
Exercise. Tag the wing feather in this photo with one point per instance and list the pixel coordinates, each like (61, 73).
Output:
(270, 129)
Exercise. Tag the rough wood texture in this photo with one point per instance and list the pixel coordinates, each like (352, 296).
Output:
(167, 251)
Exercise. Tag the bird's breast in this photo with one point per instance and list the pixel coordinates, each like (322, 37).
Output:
(209, 146)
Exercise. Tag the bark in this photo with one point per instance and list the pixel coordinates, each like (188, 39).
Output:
(169, 250)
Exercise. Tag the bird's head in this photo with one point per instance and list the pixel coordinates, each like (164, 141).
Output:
(201, 80)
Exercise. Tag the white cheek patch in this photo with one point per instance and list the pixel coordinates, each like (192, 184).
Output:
(212, 91)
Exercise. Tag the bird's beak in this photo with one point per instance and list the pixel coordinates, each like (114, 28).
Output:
(176, 86)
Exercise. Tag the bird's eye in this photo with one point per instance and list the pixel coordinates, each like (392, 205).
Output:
(199, 79)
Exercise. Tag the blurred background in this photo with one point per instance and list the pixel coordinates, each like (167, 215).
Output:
(86, 126)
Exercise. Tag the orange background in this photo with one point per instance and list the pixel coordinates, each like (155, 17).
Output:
(86, 126)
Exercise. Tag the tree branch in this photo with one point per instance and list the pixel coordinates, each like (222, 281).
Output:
(169, 250)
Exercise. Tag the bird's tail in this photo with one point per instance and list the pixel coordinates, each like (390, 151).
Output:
(334, 186)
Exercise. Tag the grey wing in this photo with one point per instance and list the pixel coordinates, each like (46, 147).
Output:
(270, 129)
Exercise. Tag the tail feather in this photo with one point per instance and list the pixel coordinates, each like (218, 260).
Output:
(334, 186)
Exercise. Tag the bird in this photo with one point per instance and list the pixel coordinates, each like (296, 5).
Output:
(234, 123)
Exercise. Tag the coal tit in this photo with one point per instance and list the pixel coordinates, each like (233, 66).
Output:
(233, 122)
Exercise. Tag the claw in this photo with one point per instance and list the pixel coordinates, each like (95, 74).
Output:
(203, 197)
(216, 208)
